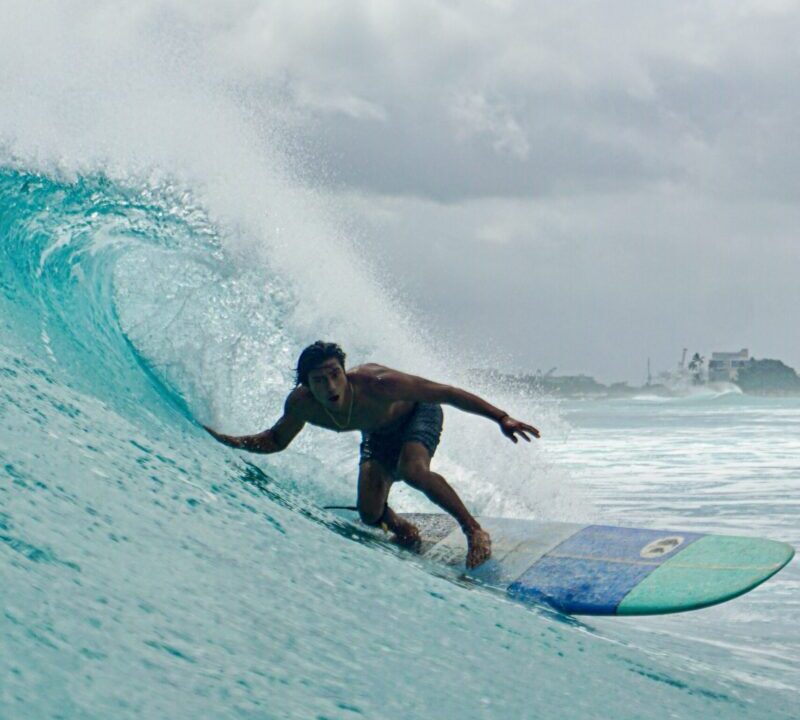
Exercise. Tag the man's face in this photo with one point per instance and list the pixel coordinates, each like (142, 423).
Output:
(328, 383)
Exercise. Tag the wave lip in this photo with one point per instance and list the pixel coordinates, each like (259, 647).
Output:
(61, 244)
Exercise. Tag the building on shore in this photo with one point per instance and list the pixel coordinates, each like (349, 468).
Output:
(724, 366)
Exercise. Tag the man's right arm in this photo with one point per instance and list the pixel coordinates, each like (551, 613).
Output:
(274, 439)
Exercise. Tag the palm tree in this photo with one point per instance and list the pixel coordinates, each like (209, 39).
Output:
(696, 368)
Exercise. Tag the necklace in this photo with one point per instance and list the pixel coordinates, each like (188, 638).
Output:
(349, 412)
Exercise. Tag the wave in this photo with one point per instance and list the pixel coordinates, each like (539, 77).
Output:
(182, 565)
(140, 299)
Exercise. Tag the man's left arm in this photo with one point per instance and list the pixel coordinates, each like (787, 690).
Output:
(401, 386)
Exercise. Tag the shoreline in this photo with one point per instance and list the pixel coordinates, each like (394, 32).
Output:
(585, 387)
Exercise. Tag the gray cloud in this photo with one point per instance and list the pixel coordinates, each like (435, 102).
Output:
(594, 284)
(456, 101)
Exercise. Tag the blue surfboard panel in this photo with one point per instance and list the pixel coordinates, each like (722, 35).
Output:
(592, 571)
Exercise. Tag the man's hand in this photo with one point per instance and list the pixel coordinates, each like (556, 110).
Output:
(228, 440)
(511, 427)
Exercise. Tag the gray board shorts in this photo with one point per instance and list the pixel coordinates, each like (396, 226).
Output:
(423, 425)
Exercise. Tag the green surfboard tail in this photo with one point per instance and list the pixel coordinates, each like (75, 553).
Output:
(714, 569)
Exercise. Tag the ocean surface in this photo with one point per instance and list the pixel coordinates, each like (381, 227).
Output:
(147, 571)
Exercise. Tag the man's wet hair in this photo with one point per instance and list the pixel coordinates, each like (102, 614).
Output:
(313, 356)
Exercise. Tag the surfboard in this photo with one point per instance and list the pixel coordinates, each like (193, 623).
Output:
(607, 570)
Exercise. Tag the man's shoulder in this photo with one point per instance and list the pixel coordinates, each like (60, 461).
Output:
(369, 374)
(377, 381)
(298, 401)
(367, 369)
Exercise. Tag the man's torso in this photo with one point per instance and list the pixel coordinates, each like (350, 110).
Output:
(370, 412)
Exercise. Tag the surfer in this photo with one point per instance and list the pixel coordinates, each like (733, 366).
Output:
(400, 418)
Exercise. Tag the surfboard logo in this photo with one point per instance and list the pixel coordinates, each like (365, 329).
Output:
(661, 547)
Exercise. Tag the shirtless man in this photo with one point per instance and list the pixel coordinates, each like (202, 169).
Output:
(400, 418)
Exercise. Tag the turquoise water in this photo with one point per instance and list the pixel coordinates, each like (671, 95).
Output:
(150, 572)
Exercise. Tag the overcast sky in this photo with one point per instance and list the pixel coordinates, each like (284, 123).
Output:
(581, 184)
(572, 184)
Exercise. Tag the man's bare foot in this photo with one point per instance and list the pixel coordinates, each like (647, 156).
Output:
(479, 547)
(406, 534)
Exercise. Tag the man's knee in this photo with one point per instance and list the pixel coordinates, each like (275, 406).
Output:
(371, 515)
(416, 474)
